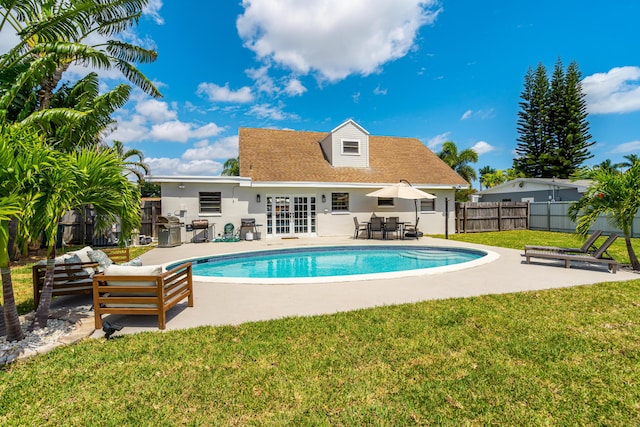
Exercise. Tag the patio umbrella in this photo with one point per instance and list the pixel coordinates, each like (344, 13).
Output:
(403, 190)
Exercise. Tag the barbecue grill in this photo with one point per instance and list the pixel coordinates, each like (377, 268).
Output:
(200, 224)
(248, 225)
(168, 231)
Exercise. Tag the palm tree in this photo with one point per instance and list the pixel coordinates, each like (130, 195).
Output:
(231, 167)
(22, 156)
(459, 162)
(53, 35)
(631, 160)
(485, 170)
(615, 195)
(90, 177)
(133, 167)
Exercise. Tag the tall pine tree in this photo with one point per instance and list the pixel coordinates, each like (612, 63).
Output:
(553, 130)
(533, 126)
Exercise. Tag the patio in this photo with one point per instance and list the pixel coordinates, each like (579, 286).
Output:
(232, 304)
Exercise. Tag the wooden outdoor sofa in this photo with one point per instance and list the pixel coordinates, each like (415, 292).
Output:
(599, 256)
(72, 278)
(141, 290)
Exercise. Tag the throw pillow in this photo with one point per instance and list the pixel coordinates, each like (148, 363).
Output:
(100, 257)
(136, 262)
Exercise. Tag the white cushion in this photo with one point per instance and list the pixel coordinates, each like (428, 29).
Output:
(128, 270)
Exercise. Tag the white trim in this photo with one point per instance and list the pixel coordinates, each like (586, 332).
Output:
(346, 122)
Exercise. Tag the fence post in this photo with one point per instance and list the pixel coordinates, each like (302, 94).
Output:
(499, 216)
(548, 216)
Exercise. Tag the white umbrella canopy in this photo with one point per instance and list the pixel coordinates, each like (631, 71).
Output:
(403, 190)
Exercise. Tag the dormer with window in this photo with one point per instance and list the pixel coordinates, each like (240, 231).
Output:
(347, 146)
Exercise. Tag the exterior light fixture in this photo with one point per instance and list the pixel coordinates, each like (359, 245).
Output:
(324, 198)
(257, 198)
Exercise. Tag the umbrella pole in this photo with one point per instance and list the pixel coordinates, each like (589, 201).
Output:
(415, 204)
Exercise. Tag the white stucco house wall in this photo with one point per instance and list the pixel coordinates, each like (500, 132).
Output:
(296, 183)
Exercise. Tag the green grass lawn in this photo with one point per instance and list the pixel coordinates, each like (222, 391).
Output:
(559, 357)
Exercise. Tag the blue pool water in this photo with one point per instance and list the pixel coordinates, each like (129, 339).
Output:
(321, 262)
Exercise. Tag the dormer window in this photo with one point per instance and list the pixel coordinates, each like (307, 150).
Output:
(351, 147)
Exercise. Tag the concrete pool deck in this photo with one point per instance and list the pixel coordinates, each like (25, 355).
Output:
(232, 304)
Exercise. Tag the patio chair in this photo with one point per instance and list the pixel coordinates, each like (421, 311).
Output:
(391, 226)
(359, 226)
(376, 226)
(599, 256)
(588, 246)
(411, 230)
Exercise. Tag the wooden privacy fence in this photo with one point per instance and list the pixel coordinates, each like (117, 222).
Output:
(77, 227)
(475, 217)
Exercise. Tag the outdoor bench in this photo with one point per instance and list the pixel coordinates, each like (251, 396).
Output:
(72, 278)
(141, 290)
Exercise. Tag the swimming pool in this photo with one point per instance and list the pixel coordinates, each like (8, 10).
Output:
(333, 263)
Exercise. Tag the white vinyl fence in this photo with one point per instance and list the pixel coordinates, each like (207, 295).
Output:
(553, 216)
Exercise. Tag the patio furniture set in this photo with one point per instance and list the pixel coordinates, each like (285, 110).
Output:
(118, 285)
(385, 227)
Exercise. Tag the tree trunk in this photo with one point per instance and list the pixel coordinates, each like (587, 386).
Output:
(48, 84)
(632, 255)
(12, 321)
(3, 329)
(42, 313)
(13, 232)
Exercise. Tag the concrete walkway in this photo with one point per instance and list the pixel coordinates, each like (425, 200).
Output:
(231, 304)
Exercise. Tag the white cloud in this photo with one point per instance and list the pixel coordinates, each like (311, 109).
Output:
(263, 81)
(627, 147)
(163, 166)
(435, 142)
(294, 88)
(156, 111)
(379, 91)
(153, 11)
(204, 158)
(480, 114)
(224, 148)
(334, 38)
(224, 94)
(266, 111)
(181, 131)
(356, 97)
(616, 91)
(482, 147)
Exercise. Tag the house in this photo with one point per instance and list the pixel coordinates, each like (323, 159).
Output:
(313, 183)
(535, 190)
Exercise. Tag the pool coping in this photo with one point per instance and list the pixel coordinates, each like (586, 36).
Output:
(489, 257)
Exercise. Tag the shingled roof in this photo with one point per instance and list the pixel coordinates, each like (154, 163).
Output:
(293, 156)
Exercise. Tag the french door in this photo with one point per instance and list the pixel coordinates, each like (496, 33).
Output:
(291, 215)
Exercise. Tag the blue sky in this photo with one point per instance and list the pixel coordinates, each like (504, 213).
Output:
(436, 71)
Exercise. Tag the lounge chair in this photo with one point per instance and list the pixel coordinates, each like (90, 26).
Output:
(359, 226)
(588, 246)
(599, 256)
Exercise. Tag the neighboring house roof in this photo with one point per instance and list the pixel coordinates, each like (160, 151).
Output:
(269, 155)
(580, 185)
